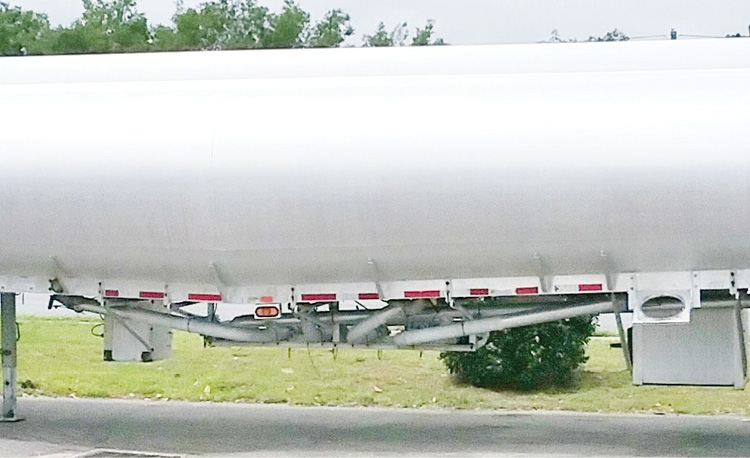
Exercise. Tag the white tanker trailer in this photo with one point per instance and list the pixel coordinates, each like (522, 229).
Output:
(411, 183)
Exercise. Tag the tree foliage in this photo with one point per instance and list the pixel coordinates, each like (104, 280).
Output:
(222, 25)
(105, 26)
(21, 32)
(613, 35)
(288, 29)
(526, 358)
(555, 37)
(399, 34)
(424, 37)
(332, 30)
(119, 26)
(383, 37)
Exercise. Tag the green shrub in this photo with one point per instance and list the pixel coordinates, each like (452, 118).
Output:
(526, 358)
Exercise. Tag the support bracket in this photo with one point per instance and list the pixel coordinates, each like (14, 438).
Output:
(608, 266)
(544, 274)
(375, 273)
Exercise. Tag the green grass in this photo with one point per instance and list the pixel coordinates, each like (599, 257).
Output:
(60, 357)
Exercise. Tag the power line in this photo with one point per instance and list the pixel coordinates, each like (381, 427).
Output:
(648, 37)
(672, 35)
(700, 36)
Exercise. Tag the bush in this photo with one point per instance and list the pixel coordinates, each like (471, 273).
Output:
(528, 357)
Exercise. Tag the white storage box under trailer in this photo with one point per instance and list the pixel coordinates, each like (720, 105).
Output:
(577, 178)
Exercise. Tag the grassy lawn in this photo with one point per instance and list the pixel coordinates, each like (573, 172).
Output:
(60, 357)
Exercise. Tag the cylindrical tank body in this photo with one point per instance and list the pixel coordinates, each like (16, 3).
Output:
(300, 166)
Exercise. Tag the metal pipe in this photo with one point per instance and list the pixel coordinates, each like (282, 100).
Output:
(202, 327)
(498, 323)
(360, 332)
(739, 342)
(250, 320)
(349, 316)
(8, 318)
(312, 329)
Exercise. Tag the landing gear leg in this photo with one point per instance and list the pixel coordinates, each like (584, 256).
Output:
(9, 337)
(623, 340)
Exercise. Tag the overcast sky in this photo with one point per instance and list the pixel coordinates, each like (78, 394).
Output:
(491, 21)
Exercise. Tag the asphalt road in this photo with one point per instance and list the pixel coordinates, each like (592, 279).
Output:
(69, 427)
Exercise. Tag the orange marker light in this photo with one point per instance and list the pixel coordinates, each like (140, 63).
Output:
(267, 311)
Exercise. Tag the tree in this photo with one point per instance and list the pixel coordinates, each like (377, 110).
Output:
(614, 35)
(21, 31)
(288, 29)
(118, 26)
(164, 38)
(382, 37)
(556, 38)
(331, 31)
(244, 24)
(423, 36)
(212, 25)
(526, 358)
(106, 26)
(399, 34)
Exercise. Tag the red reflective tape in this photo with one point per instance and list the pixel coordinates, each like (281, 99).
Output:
(111, 293)
(479, 291)
(528, 290)
(266, 299)
(590, 287)
(368, 296)
(204, 297)
(421, 294)
(151, 295)
(319, 297)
